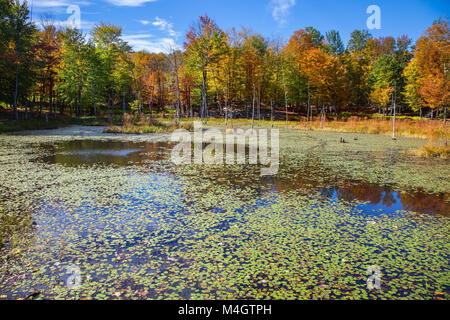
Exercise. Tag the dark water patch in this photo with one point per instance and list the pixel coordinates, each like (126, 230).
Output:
(99, 152)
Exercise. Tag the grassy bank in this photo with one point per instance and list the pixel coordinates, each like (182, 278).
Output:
(144, 129)
(143, 124)
(405, 127)
(423, 129)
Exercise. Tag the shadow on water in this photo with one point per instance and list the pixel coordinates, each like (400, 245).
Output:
(376, 199)
(94, 152)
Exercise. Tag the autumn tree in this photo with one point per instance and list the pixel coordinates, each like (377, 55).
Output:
(175, 60)
(18, 41)
(48, 57)
(205, 44)
(433, 57)
(358, 66)
(411, 91)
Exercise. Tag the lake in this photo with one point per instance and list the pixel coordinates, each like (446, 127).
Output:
(136, 226)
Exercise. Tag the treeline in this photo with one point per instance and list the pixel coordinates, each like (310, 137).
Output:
(231, 74)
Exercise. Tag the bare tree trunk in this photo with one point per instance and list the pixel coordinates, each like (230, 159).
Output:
(231, 113)
(190, 104)
(394, 111)
(55, 106)
(271, 114)
(26, 109)
(79, 102)
(40, 103)
(253, 108)
(16, 90)
(204, 103)
(123, 106)
(111, 106)
(259, 105)
(285, 101)
(309, 106)
(335, 110)
(32, 105)
(152, 99)
(226, 98)
(217, 92)
(322, 116)
(445, 115)
(178, 92)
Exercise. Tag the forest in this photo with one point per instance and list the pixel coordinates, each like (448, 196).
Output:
(48, 70)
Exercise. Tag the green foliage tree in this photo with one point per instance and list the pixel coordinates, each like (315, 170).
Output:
(205, 45)
(18, 43)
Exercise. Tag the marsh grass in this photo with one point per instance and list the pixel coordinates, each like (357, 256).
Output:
(434, 130)
(434, 150)
(13, 226)
(405, 127)
(422, 129)
(143, 124)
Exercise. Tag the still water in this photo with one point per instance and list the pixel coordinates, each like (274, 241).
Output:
(377, 199)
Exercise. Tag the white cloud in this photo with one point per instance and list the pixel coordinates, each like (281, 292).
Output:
(281, 9)
(144, 22)
(55, 3)
(148, 43)
(129, 3)
(84, 25)
(164, 25)
(48, 3)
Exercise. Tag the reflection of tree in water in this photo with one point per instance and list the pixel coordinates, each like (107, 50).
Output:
(426, 203)
(363, 192)
(327, 192)
(374, 194)
(389, 199)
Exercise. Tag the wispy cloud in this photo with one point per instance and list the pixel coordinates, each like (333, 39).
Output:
(129, 3)
(56, 13)
(56, 3)
(148, 42)
(164, 25)
(84, 25)
(281, 9)
(144, 22)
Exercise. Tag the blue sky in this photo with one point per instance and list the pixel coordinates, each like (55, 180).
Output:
(155, 25)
